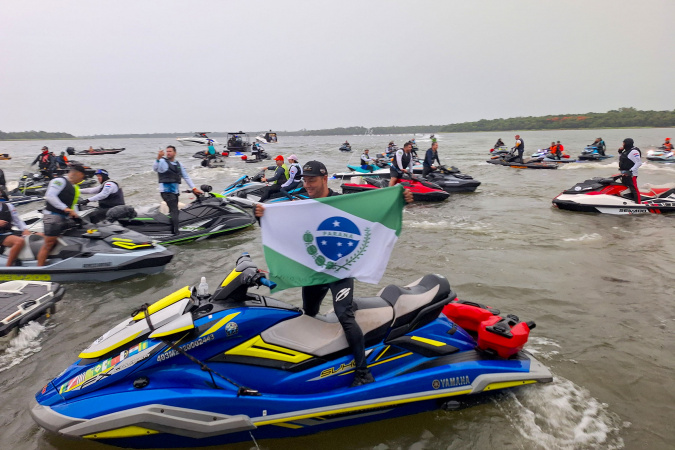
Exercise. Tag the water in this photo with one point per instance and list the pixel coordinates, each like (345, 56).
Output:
(599, 287)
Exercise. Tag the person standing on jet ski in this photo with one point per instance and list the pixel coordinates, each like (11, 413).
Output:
(600, 145)
(429, 158)
(315, 176)
(9, 217)
(169, 172)
(294, 177)
(499, 143)
(108, 195)
(629, 163)
(520, 147)
(402, 163)
(280, 177)
(61, 200)
(45, 162)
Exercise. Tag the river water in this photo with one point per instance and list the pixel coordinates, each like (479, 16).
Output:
(599, 287)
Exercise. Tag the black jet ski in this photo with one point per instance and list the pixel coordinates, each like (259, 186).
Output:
(450, 179)
(345, 148)
(610, 196)
(35, 182)
(510, 161)
(24, 301)
(86, 252)
(210, 215)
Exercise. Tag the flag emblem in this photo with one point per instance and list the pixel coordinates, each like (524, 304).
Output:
(334, 240)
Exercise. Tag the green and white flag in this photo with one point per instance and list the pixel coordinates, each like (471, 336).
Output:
(319, 241)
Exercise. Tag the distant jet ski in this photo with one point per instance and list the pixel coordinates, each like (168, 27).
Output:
(23, 301)
(509, 161)
(452, 180)
(592, 153)
(609, 196)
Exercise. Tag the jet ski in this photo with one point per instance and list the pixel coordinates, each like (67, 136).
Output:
(258, 154)
(422, 191)
(661, 154)
(89, 253)
(217, 161)
(591, 153)
(450, 179)
(503, 150)
(210, 215)
(545, 155)
(35, 183)
(25, 301)
(509, 161)
(610, 196)
(246, 191)
(198, 369)
(345, 148)
(5, 156)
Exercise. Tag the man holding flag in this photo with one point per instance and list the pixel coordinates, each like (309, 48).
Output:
(336, 252)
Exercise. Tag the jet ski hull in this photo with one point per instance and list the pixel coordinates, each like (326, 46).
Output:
(24, 301)
(420, 193)
(525, 165)
(454, 183)
(610, 204)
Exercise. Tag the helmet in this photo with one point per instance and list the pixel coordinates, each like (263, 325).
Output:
(667, 139)
(103, 173)
(517, 136)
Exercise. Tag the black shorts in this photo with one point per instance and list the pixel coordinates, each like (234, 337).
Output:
(4, 236)
(55, 225)
(395, 173)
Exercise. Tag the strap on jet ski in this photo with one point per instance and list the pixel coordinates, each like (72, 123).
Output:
(241, 390)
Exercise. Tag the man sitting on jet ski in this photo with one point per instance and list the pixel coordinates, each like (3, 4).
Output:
(294, 177)
(667, 146)
(169, 173)
(61, 200)
(315, 177)
(429, 158)
(600, 145)
(499, 143)
(108, 194)
(279, 178)
(367, 162)
(9, 217)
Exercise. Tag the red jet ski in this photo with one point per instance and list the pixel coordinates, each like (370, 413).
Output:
(609, 196)
(422, 191)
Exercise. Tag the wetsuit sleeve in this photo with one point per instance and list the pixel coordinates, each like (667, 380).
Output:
(277, 174)
(92, 190)
(186, 177)
(52, 195)
(160, 166)
(16, 220)
(109, 188)
(36, 160)
(634, 156)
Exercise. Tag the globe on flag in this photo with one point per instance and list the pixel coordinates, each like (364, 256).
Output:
(337, 237)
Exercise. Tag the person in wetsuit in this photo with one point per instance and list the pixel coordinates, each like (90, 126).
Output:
(629, 163)
(520, 148)
(499, 143)
(280, 177)
(315, 177)
(108, 195)
(60, 200)
(401, 164)
(169, 174)
(429, 158)
(45, 162)
(9, 217)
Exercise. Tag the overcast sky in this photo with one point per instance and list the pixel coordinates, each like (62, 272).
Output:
(135, 66)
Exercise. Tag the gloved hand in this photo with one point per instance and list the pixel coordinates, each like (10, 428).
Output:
(83, 202)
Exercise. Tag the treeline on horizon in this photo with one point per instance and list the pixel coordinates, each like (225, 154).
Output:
(34, 135)
(618, 118)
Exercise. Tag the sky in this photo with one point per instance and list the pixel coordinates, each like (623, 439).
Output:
(145, 66)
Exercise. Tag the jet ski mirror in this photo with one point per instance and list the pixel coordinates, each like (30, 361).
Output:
(206, 188)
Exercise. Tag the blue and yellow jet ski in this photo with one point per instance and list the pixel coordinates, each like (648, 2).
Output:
(197, 370)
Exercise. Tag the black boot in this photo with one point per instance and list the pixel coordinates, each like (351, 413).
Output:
(361, 377)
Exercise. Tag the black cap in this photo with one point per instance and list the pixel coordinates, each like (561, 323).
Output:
(78, 168)
(629, 142)
(314, 169)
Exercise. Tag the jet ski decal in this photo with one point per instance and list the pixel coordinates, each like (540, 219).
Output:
(27, 277)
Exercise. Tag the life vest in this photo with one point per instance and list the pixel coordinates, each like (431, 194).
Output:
(668, 146)
(624, 162)
(68, 195)
(298, 172)
(115, 199)
(6, 215)
(285, 173)
(521, 146)
(405, 160)
(172, 175)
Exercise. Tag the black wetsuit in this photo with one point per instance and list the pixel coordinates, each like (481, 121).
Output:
(429, 159)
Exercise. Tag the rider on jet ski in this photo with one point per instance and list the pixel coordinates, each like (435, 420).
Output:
(108, 194)
(294, 177)
(61, 200)
(629, 162)
(280, 177)
(9, 217)
(401, 164)
(46, 162)
(315, 178)
(367, 162)
(600, 145)
(667, 145)
(499, 143)
(429, 158)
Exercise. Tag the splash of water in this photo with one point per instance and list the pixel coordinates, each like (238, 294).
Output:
(26, 343)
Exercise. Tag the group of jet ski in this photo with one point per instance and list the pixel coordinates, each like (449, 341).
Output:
(544, 158)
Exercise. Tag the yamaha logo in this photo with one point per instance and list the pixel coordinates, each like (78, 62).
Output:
(436, 384)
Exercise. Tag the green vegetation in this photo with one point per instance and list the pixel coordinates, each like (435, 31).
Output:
(34, 135)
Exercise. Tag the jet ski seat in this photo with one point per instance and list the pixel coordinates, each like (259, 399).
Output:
(402, 309)
(34, 244)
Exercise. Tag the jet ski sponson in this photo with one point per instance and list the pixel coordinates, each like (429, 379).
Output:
(24, 301)
(101, 253)
(450, 179)
(609, 196)
(192, 371)
(210, 215)
(422, 191)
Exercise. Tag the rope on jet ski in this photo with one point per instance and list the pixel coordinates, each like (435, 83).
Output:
(241, 390)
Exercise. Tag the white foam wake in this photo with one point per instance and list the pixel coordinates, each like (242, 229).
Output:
(26, 343)
(585, 237)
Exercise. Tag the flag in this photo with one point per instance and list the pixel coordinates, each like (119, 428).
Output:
(319, 241)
